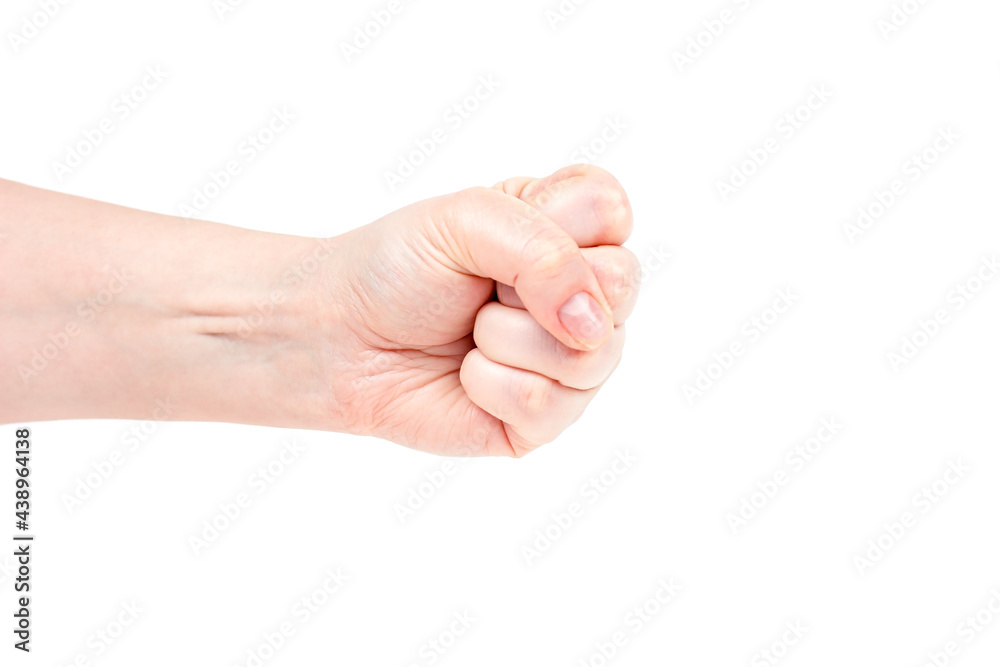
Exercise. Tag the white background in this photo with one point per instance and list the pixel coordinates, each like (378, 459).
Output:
(696, 461)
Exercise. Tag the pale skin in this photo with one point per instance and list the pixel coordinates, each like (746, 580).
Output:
(477, 323)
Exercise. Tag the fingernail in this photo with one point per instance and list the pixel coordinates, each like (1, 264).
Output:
(585, 320)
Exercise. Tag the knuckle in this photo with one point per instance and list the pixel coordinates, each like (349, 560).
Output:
(534, 395)
(521, 446)
(631, 267)
(477, 194)
(617, 279)
(486, 320)
(620, 276)
(547, 250)
(625, 273)
(587, 370)
(479, 327)
(569, 361)
(617, 205)
(588, 376)
(465, 203)
(519, 452)
(611, 201)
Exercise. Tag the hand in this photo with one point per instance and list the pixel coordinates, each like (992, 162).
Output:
(483, 322)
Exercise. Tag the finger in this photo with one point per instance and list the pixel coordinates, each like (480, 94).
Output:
(512, 337)
(586, 201)
(618, 273)
(490, 234)
(535, 407)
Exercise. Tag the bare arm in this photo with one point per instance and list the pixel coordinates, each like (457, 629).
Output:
(112, 312)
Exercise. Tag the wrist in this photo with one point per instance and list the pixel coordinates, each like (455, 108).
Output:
(263, 343)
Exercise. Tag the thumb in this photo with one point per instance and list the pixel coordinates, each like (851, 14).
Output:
(500, 237)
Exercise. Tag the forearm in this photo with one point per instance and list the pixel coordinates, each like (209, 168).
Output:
(109, 312)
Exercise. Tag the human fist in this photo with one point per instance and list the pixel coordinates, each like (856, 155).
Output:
(483, 322)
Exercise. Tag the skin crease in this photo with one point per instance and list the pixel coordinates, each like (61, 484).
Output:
(437, 327)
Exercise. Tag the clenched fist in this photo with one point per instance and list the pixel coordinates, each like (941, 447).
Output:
(486, 320)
